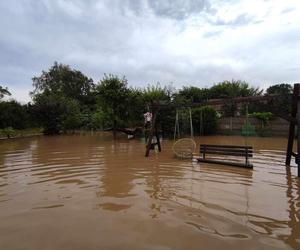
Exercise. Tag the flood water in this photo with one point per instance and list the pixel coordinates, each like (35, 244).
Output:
(90, 192)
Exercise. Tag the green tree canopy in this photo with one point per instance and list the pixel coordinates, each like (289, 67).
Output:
(283, 102)
(61, 80)
(233, 88)
(192, 94)
(157, 93)
(57, 113)
(61, 95)
(13, 114)
(204, 120)
(280, 89)
(113, 95)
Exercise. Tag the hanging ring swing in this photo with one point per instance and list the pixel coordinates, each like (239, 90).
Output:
(185, 147)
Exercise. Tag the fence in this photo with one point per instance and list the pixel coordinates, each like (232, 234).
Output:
(235, 125)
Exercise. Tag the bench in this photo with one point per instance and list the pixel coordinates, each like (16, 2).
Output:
(228, 150)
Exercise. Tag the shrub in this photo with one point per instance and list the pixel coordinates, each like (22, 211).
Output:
(205, 120)
(264, 117)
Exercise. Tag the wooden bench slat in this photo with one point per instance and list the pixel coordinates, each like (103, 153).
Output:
(230, 150)
(228, 153)
(226, 146)
(208, 149)
(235, 164)
(215, 152)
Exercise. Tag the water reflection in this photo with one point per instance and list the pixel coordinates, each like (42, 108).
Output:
(178, 203)
(117, 176)
(293, 195)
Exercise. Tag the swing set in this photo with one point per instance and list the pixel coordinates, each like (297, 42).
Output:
(185, 147)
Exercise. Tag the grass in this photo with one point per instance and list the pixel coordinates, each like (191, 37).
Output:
(16, 133)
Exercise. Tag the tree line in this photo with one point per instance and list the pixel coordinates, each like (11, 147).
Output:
(64, 99)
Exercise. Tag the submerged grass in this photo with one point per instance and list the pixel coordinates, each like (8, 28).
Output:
(8, 133)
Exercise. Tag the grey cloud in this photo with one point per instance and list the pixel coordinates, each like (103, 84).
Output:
(178, 9)
(240, 20)
(212, 34)
(128, 38)
(172, 9)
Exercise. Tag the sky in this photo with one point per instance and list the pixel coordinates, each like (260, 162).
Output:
(178, 42)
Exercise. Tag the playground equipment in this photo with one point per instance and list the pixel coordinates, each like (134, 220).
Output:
(183, 147)
(227, 150)
(264, 101)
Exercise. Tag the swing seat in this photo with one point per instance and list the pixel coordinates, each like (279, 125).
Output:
(184, 148)
(227, 150)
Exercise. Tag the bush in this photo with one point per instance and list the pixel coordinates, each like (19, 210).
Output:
(7, 132)
(248, 129)
(264, 117)
(13, 114)
(209, 118)
(57, 113)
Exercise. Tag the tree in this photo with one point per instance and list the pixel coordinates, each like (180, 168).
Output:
(231, 89)
(61, 80)
(13, 114)
(60, 96)
(283, 102)
(192, 94)
(99, 119)
(206, 119)
(280, 89)
(57, 113)
(3, 92)
(136, 107)
(158, 94)
(264, 117)
(113, 96)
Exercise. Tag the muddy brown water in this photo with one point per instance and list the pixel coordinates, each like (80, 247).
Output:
(90, 192)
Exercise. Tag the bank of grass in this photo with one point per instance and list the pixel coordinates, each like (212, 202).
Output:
(8, 133)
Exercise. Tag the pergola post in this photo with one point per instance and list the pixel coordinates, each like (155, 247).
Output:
(298, 131)
(295, 120)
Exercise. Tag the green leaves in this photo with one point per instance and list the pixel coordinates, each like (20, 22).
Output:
(265, 117)
(57, 113)
(65, 99)
(233, 88)
(205, 120)
(61, 97)
(280, 89)
(114, 97)
(13, 114)
(155, 93)
(61, 80)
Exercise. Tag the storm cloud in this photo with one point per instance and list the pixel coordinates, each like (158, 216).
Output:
(195, 42)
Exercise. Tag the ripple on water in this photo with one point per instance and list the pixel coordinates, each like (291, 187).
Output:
(208, 230)
(48, 207)
(105, 180)
(113, 206)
